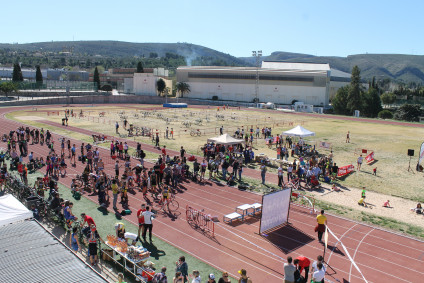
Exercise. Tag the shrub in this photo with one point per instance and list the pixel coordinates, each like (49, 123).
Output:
(106, 88)
(385, 114)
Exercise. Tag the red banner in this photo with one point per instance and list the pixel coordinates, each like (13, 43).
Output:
(370, 157)
(345, 170)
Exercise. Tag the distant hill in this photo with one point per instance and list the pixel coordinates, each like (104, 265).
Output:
(398, 67)
(128, 49)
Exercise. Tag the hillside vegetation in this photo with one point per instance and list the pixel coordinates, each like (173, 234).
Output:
(86, 54)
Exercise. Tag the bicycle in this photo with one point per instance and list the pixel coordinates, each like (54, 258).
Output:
(195, 133)
(170, 203)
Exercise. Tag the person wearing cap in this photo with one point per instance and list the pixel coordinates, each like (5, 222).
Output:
(243, 277)
(211, 278)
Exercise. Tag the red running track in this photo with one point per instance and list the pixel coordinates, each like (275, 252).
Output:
(382, 256)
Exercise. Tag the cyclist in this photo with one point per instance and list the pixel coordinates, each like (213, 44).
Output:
(69, 216)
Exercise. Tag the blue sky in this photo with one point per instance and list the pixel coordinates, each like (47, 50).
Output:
(323, 28)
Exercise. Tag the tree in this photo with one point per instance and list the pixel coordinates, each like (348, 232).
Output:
(96, 78)
(17, 73)
(38, 77)
(371, 103)
(385, 114)
(140, 68)
(161, 85)
(183, 88)
(388, 98)
(8, 87)
(340, 101)
(408, 112)
(355, 94)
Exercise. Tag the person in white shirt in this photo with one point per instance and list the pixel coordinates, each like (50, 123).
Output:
(148, 215)
(319, 275)
(280, 176)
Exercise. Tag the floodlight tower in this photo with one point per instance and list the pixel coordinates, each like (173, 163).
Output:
(257, 55)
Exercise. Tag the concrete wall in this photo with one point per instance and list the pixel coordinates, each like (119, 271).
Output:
(276, 93)
(116, 99)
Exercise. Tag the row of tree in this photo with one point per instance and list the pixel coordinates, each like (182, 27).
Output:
(354, 97)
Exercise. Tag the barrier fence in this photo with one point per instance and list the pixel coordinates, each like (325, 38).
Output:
(200, 220)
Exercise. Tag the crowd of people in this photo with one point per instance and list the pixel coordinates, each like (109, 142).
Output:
(162, 179)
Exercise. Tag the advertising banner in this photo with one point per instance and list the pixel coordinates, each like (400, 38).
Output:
(345, 170)
(370, 157)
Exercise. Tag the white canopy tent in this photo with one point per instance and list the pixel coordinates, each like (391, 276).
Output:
(225, 139)
(299, 131)
(12, 210)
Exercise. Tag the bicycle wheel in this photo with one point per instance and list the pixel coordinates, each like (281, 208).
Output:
(173, 205)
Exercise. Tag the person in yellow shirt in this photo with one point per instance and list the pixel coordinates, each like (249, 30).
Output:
(362, 202)
(320, 228)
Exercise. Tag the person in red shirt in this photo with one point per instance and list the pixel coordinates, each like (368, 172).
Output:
(301, 263)
(140, 218)
(87, 219)
(164, 151)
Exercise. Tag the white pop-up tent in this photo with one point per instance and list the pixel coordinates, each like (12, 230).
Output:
(299, 131)
(225, 139)
(12, 210)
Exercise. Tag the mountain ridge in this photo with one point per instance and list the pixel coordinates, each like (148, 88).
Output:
(398, 67)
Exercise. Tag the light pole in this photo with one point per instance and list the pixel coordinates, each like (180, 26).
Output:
(257, 55)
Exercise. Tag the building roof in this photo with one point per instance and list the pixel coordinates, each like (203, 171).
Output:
(295, 66)
(30, 254)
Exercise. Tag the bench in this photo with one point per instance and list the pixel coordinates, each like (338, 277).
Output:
(229, 218)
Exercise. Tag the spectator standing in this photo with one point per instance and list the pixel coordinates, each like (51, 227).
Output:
(289, 270)
(280, 175)
(318, 276)
(140, 218)
(302, 263)
(211, 278)
(320, 260)
(263, 173)
(182, 267)
(224, 278)
(243, 277)
(359, 162)
(92, 244)
(322, 222)
(195, 276)
(160, 277)
(148, 225)
(348, 137)
(73, 240)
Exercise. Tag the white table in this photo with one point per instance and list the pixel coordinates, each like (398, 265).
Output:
(256, 207)
(243, 210)
(232, 216)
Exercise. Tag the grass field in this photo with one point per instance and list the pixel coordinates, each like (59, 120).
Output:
(389, 142)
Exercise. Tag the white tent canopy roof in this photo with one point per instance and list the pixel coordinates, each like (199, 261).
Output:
(12, 210)
(299, 131)
(225, 139)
